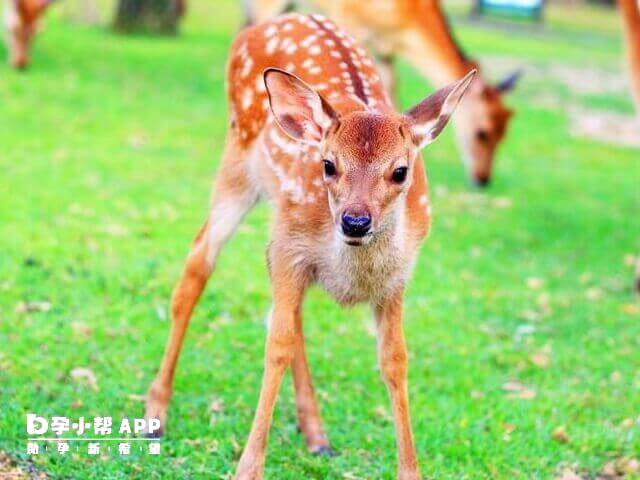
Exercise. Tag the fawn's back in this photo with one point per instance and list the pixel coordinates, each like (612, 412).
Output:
(312, 48)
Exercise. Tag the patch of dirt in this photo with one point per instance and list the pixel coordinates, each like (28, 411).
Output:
(587, 80)
(10, 470)
(580, 80)
(607, 127)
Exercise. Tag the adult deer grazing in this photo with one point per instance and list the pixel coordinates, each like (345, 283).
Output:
(344, 174)
(418, 31)
(21, 21)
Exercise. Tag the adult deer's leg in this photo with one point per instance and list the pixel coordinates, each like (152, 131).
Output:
(392, 355)
(309, 419)
(386, 63)
(288, 290)
(233, 196)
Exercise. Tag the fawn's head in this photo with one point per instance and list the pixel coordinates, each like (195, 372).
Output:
(483, 125)
(368, 157)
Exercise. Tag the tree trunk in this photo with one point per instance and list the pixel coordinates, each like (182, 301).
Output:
(148, 16)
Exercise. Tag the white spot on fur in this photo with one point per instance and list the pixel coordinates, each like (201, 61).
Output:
(284, 144)
(291, 49)
(272, 44)
(308, 41)
(246, 68)
(287, 185)
(247, 98)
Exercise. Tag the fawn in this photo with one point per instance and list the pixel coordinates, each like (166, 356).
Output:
(418, 31)
(343, 172)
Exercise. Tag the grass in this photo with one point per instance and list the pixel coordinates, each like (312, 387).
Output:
(109, 145)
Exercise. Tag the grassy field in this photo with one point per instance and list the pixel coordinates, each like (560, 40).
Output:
(520, 317)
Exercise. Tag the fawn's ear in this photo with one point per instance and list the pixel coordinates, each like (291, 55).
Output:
(429, 117)
(299, 110)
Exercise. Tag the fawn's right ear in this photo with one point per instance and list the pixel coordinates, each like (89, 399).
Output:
(298, 109)
(429, 117)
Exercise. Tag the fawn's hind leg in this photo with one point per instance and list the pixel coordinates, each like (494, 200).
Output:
(309, 419)
(233, 197)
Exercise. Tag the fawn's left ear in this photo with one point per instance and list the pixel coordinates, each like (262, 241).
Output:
(299, 110)
(429, 117)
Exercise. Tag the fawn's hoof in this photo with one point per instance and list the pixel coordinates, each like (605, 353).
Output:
(324, 451)
(157, 434)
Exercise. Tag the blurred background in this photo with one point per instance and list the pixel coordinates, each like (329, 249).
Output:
(522, 324)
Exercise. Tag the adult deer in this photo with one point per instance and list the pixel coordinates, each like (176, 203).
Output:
(21, 22)
(343, 171)
(418, 31)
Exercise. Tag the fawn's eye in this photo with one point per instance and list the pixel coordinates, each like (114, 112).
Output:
(329, 168)
(399, 175)
(482, 135)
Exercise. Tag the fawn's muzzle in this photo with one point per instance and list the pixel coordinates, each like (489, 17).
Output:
(356, 224)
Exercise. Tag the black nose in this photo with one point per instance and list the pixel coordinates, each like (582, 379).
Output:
(355, 225)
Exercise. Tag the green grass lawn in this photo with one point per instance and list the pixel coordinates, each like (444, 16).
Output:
(108, 148)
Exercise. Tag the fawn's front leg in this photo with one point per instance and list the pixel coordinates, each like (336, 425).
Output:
(392, 355)
(279, 352)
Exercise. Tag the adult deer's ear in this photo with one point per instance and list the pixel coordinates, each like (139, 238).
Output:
(429, 117)
(298, 109)
(509, 82)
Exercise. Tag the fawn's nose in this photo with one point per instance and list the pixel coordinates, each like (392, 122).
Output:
(356, 223)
